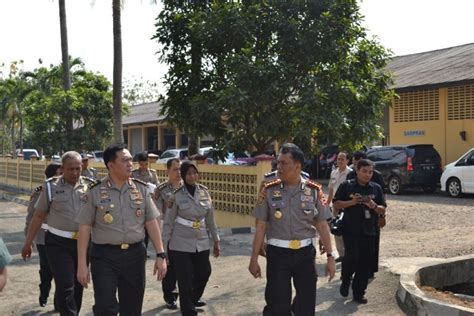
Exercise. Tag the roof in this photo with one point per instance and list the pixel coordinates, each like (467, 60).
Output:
(143, 113)
(447, 65)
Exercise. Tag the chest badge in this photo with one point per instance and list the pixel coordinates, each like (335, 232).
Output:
(307, 191)
(138, 212)
(108, 218)
(278, 214)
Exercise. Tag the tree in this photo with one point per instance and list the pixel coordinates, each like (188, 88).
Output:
(117, 72)
(140, 91)
(273, 71)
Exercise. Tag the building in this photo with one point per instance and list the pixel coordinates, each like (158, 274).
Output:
(435, 103)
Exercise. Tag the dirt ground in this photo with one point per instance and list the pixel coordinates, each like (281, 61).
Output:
(418, 226)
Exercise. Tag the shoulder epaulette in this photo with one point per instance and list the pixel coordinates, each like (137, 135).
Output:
(202, 186)
(304, 174)
(270, 174)
(39, 188)
(92, 168)
(271, 183)
(182, 186)
(139, 181)
(313, 184)
(153, 171)
(52, 178)
(88, 179)
(162, 185)
(94, 183)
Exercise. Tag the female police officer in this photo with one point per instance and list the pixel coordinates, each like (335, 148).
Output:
(189, 217)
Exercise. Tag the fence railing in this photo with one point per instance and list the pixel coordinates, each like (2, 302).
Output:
(233, 189)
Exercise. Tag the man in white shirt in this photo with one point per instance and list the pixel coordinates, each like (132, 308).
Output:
(338, 176)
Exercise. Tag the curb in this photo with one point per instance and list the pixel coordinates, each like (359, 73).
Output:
(10, 198)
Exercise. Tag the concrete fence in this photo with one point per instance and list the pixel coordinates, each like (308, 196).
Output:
(233, 189)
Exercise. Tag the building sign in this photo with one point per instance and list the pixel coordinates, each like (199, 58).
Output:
(414, 133)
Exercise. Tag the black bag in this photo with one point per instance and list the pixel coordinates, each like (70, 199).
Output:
(336, 224)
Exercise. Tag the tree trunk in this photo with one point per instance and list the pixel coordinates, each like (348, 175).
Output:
(65, 62)
(193, 144)
(117, 76)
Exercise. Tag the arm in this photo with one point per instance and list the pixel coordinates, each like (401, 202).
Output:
(83, 275)
(325, 236)
(260, 229)
(155, 235)
(38, 219)
(168, 223)
(356, 199)
(211, 226)
(330, 195)
(3, 278)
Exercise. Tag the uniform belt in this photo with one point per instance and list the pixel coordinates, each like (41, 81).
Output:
(44, 226)
(193, 224)
(290, 244)
(120, 246)
(62, 233)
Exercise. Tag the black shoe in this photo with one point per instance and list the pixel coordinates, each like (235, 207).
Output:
(344, 289)
(200, 303)
(171, 305)
(339, 259)
(360, 300)
(43, 300)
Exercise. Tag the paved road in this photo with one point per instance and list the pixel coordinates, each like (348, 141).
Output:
(230, 291)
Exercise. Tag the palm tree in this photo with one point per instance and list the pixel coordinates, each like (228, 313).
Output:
(117, 76)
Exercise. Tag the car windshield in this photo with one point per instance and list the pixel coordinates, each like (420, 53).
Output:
(422, 154)
(169, 154)
(99, 154)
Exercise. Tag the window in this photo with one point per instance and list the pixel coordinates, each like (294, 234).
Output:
(461, 102)
(414, 106)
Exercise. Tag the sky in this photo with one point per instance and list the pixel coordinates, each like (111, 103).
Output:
(29, 30)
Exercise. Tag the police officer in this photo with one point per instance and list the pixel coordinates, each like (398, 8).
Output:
(162, 195)
(289, 211)
(144, 173)
(362, 201)
(87, 171)
(46, 275)
(60, 201)
(116, 211)
(188, 221)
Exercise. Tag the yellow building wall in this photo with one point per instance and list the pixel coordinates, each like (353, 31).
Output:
(442, 133)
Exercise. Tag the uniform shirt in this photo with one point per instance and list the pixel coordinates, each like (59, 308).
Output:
(90, 173)
(39, 238)
(117, 215)
(163, 193)
(359, 219)
(66, 201)
(146, 176)
(337, 177)
(291, 211)
(5, 257)
(194, 208)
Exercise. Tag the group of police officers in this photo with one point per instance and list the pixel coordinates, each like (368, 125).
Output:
(97, 228)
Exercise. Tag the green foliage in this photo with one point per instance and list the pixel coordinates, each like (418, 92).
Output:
(273, 70)
(46, 105)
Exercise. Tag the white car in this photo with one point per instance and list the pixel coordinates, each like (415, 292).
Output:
(458, 176)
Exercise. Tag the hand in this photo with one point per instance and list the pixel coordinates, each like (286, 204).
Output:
(356, 199)
(160, 268)
(217, 248)
(254, 268)
(370, 204)
(83, 275)
(322, 250)
(263, 250)
(26, 251)
(331, 268)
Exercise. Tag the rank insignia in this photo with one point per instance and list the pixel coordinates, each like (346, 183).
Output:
(276, 194)
(278, 215)
(307, 191)
(108, 218)
(138, 212)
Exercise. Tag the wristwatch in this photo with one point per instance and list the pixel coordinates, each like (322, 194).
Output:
(162, 255)
(331, 254)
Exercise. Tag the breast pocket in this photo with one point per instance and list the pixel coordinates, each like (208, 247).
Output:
(62, 202)
(307, 207)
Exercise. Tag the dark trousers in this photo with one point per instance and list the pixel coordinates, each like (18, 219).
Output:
(375, 261)
(282, 266)
(62, 258)
(193, 270)
(358, 261)
(115, 269)
(168, 284)
(46, 275)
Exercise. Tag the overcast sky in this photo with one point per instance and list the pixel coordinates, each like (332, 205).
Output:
(29, 30)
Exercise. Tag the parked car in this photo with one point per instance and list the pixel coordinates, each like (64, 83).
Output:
(98, 155)
(404, 166)
(458, 176)
(27, 153)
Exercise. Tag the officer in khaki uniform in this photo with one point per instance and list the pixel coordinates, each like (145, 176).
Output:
(60, 200)
(46, 275)
(144, 173)
(289, 211)
(162, 196)
(87, 171)
(116, 211)
(188, 222)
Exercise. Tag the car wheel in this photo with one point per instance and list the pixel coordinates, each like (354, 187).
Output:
(453, 187)
(429, 189)
(394, 185)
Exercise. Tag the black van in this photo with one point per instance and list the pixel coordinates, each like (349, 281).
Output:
(408, 166)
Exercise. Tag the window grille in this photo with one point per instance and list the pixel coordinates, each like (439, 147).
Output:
(461, 102)
(414, 106)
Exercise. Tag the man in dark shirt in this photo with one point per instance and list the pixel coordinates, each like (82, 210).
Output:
(362, 201)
